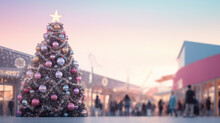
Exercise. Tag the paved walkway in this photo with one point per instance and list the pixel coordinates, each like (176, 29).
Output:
(111, 120)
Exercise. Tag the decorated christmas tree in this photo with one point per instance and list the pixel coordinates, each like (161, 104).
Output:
(51, 86)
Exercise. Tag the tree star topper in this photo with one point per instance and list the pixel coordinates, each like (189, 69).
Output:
(56, 17)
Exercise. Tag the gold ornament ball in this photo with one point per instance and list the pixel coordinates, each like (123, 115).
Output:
(36, 59)
(65, 50)
(56, 26)
(38, 48)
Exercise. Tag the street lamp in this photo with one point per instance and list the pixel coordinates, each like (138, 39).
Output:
(93, 62)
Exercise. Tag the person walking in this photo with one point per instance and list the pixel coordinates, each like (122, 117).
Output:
(137, 110)
(11, 107)
(120, 106)
(160, 106)
(149, 107)
(179, 108)
(172, 104)
(112, 108)
(144, 109)
(189, 102)
(219, 106)
(196, 107)
(127, 101)
(153, 109)
(208, 106)
(97, 106)
(101, 112)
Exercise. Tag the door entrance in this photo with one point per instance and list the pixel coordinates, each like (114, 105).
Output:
(6, 94)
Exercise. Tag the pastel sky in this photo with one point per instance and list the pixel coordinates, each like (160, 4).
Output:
(125, 36)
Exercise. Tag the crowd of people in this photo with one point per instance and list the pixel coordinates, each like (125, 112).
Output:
(189, 107)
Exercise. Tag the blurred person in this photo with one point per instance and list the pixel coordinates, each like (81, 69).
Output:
(149, 106)
(153, 109)
(172, 104)
(97, 106)
(1, 108)
(137, 109)
(11, 107)
(101, 109)
(201, 107)
(179, 108)
(189, 102)
(219, 106)
(127, 101)
(112, 108)
(160, 106)
(115, 107)
(208, 106)
(120, 106)
(196, 107)
(144, 109)
(167, 109)
(133, 111)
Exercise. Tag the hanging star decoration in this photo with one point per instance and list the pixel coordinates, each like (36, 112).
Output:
(56, 17)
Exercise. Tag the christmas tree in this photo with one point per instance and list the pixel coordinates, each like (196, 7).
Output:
(52, 84)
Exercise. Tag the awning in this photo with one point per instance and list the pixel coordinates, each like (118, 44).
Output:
(165, 78)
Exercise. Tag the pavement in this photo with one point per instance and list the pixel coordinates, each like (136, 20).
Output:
(109, 120)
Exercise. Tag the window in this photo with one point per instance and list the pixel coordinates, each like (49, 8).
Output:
(6, 92)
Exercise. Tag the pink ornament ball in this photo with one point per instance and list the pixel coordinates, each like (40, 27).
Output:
(70, 107)
(73, 70)
(35, 102)
(53, 97)
(48, 63)
(19, 97)
(78, 78)
(64, 33)
(76, 91)
(55, 44)
(26, 90)
(29, 73)
(37, 76)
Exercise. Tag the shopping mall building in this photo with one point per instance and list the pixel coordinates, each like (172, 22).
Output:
(11, 69)
(199, 66)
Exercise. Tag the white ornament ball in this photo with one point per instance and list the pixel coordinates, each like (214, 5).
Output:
(42, 88)
(52, 57)
(43, 48)
(59, 74)
(60, 61)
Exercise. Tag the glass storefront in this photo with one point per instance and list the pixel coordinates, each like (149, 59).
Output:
(218, 94)
(203, 90)
(6, 94)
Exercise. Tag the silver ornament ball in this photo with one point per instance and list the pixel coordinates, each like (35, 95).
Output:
(60, 61)
(59, 74)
